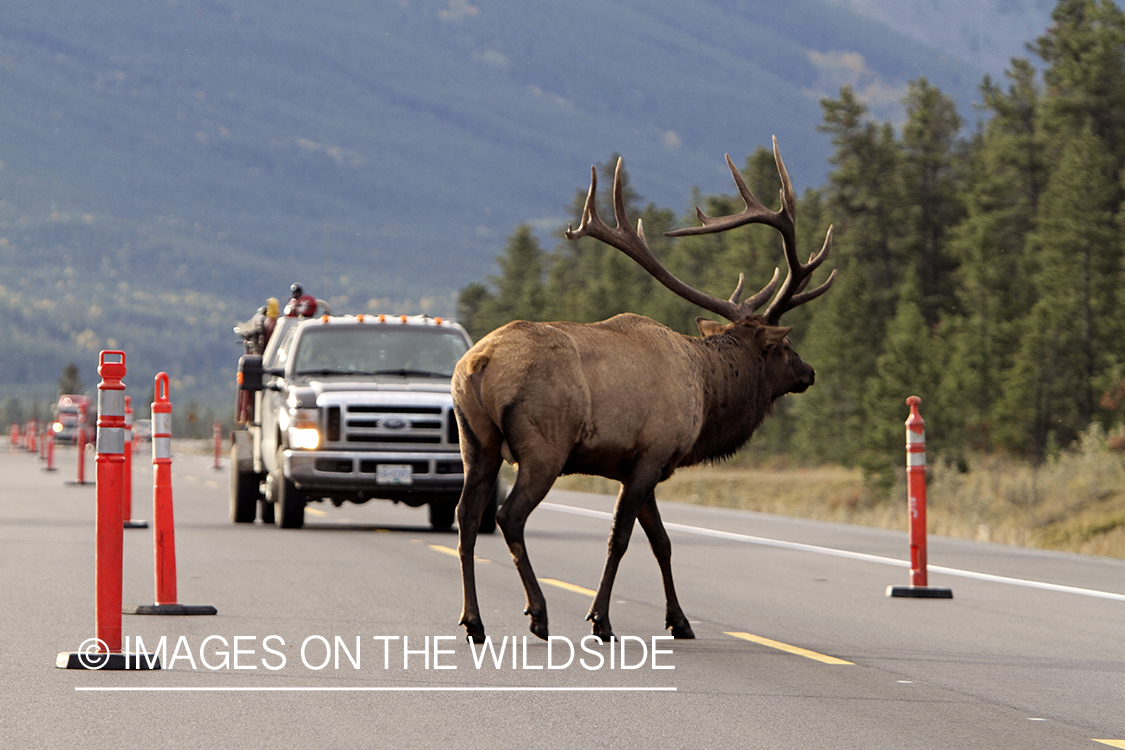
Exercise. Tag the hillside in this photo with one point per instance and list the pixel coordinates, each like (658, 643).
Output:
(983, 33)
(165, 167)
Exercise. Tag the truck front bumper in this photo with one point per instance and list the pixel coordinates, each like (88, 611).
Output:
(360, 472)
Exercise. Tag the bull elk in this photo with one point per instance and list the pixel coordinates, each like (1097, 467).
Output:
(627, 398)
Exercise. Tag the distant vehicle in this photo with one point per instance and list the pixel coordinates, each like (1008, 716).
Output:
(349, 408)
(67, 413)
(142, 430)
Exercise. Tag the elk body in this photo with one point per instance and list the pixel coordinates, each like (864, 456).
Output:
(627, 398)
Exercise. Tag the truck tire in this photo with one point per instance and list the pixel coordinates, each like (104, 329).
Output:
(267, 511)
(443, 511)
(289, 502)
(244, 491)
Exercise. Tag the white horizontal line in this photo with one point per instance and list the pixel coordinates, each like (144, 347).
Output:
(500, 689)
(729, 535)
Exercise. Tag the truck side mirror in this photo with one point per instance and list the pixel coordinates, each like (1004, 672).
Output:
(250, 372)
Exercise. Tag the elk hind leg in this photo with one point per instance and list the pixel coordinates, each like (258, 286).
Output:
(482, 462)
(649, 517)
(533, 481)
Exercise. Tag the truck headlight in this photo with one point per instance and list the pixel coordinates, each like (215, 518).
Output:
(303, 429)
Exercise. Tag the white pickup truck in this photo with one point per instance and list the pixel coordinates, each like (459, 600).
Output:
(349, 408)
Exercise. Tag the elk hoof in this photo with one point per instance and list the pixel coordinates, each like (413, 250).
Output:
(601, 627)
(474, 629)
(538, 622)
(682, 629)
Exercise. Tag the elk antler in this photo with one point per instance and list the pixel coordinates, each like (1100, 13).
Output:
(636, 247)
(792, 291)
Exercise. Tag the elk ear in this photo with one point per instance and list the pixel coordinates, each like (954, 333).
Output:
(771, 336)
(709, 327)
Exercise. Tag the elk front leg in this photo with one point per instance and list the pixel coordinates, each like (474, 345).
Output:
(649, 517)
(629, 502)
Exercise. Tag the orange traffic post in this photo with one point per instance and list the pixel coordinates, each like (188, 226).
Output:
(127, 482)
(916, 497)
(104, 650)
(162, 516)
(218, 436)
(80, 432)
(49, 439)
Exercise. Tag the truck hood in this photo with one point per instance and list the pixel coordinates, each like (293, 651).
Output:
(381, 385)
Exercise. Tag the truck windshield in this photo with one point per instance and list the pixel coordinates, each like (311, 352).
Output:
(378, 350)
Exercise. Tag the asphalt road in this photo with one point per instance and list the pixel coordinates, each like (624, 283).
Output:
(343, 634)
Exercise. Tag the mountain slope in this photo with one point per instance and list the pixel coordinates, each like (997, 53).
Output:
(208, 153)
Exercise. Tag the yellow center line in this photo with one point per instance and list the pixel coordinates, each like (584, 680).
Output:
(316, 511)
(452, 552)
(567, 586)
(789, 649)
(1112, 743)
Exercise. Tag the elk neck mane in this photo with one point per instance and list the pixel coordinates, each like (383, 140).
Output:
(736, 397)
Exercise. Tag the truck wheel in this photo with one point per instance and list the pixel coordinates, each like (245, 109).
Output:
(442, 513)
(244, 491)
(289, 502)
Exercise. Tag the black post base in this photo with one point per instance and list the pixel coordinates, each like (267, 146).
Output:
(170, 609)
(96, 661)
(919, 592)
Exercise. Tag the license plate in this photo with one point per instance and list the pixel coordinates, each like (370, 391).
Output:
(394, 474)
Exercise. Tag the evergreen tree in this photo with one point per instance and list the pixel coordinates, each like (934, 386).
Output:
(906, 367)
(1084, 53)
(932, 176)
(1007, 174)
(865, 195)
(1069, 344)
(70, 381)
(470, 300)
(846, 327)
(518, 289)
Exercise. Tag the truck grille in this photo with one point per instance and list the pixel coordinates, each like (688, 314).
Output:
(391, 425)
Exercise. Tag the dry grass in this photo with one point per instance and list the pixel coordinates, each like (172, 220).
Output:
(1075, 502)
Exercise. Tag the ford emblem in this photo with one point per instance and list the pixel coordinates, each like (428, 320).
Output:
(393, 423)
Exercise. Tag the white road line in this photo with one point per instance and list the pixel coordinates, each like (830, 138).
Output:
(321, 689)
(798, 546)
